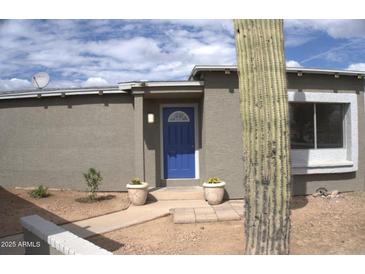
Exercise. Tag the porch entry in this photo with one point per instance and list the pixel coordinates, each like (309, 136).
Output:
(179, 142)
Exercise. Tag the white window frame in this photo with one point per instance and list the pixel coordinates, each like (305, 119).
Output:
(328, 160)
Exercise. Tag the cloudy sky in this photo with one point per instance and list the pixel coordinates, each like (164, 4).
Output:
(104, 52)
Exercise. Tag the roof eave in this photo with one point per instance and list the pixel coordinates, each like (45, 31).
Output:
(61, 92)
(130, 85)
(200, 68)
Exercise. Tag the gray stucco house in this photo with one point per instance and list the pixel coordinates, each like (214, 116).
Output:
(179, 133)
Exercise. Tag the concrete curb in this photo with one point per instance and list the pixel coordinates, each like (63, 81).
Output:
(53, 239)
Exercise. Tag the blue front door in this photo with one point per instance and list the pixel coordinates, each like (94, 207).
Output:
(178, 142)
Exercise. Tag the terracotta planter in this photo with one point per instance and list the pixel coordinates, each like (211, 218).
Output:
(138, 193)
(213, 193)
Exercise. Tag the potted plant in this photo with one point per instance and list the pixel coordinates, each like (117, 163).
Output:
(214, 190)
(137, 191)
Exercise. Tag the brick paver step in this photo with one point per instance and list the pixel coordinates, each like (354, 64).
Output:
(223, 212)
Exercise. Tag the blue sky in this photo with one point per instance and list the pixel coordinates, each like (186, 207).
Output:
(104, 52)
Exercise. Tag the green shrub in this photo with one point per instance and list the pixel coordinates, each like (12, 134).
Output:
(39, 192)
(214, 180)
(93, 180)
(136, 181)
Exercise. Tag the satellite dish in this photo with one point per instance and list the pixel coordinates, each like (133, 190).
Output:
(40, 80)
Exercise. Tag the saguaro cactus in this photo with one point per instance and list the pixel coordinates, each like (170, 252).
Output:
(264, 114)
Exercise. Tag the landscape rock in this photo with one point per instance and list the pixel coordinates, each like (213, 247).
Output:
(334, 194)
(321, 192)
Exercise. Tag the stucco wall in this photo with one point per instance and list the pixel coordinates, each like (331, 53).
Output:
(221, 132)
(324, 82)
(352, 181)
(223, 147)
(51, 141)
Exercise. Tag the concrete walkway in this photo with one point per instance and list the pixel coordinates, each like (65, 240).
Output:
(132, 216)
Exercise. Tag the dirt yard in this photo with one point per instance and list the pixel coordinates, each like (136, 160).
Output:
(60, 207)
(319, 226)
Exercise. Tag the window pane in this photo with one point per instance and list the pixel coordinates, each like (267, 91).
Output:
(329, 125)
(301, 125)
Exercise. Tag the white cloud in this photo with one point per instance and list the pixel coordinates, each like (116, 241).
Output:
(94, 82)
(295, 40)
(105, 51)
(14, 83)
(226, 25)
(300, 32)
(293, 64)
(357, 66)
(341, 28)
(111, 51)
(334, 28)
(347, 43)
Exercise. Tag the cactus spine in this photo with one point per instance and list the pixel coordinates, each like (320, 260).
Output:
(266, 154)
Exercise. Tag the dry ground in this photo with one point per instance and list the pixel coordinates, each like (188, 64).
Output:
(319, 226)
(61, 207)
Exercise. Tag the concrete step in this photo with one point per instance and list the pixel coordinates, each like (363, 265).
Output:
(178, 193)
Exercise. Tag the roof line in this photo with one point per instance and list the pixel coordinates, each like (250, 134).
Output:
(121, 88)
(130, 85)
(62, 89)
(60, 92)
(199, 68)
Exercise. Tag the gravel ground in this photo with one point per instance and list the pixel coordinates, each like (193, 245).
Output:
(162, 236)
(319, 226)
(329, 225)
(61, 207)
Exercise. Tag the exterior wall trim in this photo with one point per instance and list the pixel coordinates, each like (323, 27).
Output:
(196, 137)
(138, 102)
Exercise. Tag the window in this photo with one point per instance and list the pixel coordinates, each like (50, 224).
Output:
(301, 125)
(178, 117)
(324, 132)
(316, 125)
(330, 119)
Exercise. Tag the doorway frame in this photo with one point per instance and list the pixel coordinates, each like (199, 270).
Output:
(196, 139)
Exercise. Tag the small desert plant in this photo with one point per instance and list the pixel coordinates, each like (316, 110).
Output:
(39, 192)
(214, 180)
(136, 181)
(93, 179)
